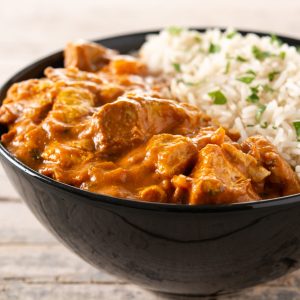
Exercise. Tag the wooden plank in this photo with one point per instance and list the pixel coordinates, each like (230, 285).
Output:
(47, 263)
(7, 191)
(23, 291)
(18, 226)
(28, 250)
(55, 264)
(40, 268)
(49, 291)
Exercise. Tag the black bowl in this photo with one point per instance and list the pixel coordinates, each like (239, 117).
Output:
(178, 249)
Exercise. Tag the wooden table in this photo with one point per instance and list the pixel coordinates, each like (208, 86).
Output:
(33, 265)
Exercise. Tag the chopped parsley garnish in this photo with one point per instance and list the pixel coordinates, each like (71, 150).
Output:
(254, 89)
(246, 79)
(218, 97)
(230, 35)
(250, 125)
(251, 72)
(264, 125)
(197, 39)
(296, 125)
(259, 54)
(214, 48)
(188, 83)
(227, 68)
(241, 58)
(177, 67)
(260, 110)
(191, 83)
(174, 30)
(253, 97)
(35, 153)
(282, 55)
(267, 88)
(272, 75)
(276, 39)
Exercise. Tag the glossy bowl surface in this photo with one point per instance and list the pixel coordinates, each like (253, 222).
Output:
(178, 249)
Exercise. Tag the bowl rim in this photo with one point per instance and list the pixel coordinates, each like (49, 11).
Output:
(138, 204)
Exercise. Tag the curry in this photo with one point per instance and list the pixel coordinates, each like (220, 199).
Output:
(103, 125)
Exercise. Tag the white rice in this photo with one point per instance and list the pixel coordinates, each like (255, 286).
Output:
(202, 72)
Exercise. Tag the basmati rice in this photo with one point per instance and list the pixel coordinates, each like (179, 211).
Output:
(259, 77)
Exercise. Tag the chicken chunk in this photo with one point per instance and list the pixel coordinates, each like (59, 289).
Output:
(72, 109)
(247, 165)
(29, 145)
(74, 77)
(153, 193)
(282, 177)
(27, 104)
(87, 56)
(105, 86)
(171, 154)
(126, 64)
(210, 135)
(65, 155)
(30, 99)
(216, 180)
(109, 178)
(132, 120)
(72, 104)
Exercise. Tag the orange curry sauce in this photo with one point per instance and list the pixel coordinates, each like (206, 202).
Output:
(101, 124)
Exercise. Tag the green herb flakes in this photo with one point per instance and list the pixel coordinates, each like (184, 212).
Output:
(214, 48)
(276, 39)
(264, 125)
(267, 88)
(253, 98)
(177, 67)
(35, 154)
(251, 72)
(188, 83)
(272, 75)
(241, 58)
(296, 125)
(260, 110)
(282, 55)
(259, 54)
(231, 34)
(174, 30)
(227, 68)
(254, 89)
(197, 39)
(246, 79)
(218, 97)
